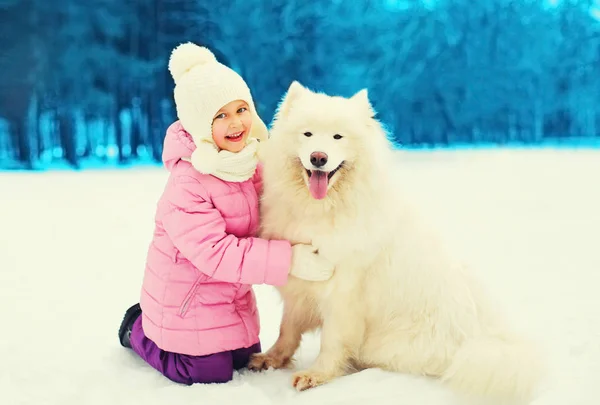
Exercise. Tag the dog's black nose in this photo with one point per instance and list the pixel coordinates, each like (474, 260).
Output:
(318, 159)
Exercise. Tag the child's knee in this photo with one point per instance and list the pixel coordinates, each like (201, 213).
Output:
(220, 375)
(215, 368)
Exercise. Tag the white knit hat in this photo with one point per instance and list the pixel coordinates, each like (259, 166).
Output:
(202, 87)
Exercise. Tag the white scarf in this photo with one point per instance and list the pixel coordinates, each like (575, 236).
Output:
(227, 166)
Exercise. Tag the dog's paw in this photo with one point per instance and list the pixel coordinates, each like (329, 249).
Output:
(263, 361)
(304, 380)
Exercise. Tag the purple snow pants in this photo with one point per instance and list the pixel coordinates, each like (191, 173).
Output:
(184, 369)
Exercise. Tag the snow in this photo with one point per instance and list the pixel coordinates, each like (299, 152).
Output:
(73, 245)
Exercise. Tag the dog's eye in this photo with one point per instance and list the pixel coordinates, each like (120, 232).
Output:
(308, 134)
(337, 136)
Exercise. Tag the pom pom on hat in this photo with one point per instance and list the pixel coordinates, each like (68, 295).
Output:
(187, 56)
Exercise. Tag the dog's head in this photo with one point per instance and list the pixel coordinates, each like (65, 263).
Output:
(325, 137)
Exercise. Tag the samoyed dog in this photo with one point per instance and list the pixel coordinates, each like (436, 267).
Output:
(398, 300)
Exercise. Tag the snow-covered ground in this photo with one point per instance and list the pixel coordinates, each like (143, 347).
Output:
(72, 249)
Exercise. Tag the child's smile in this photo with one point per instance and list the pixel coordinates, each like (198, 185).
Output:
(236, 136)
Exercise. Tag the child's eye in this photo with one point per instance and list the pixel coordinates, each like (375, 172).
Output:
(242, 109)
(337, 136)
(222, 115)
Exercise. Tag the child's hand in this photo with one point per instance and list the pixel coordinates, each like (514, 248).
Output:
(307, 264)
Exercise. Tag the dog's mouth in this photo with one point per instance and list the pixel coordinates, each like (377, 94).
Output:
(319, 181)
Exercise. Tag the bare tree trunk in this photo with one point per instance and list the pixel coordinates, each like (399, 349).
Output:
(116, 119)
(134, 91)
(512, 127)
(67, 137)
(23, 142)
(538, 121)
(590, 121)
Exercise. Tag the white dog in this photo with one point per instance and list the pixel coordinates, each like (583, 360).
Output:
(397, 300)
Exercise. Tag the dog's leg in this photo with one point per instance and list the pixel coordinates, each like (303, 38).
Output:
(341, 338)
(297, 319)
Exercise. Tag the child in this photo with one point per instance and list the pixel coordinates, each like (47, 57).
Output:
(197, 320)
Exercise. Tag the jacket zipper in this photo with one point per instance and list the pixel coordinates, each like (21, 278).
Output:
(249, 208)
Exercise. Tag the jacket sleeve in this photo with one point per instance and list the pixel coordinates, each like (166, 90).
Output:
(197, 230)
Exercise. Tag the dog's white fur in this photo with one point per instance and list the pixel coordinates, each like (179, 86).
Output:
(398, 300)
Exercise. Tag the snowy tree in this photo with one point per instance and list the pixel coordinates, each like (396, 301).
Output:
(90, 79)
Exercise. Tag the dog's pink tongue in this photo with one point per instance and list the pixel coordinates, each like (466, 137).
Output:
(317, 184)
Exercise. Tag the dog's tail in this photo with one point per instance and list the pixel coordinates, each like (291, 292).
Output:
(499, 368)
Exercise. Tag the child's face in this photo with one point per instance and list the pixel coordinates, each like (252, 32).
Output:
(231, 126)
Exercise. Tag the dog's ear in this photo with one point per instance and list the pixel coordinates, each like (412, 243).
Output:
(294, 92)
(362, 100)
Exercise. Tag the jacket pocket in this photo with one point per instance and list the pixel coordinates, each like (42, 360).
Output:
(185, 305)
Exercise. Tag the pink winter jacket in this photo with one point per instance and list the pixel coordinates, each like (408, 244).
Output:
(197, 297)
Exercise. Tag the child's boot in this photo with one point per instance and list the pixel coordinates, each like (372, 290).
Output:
(125, 329)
